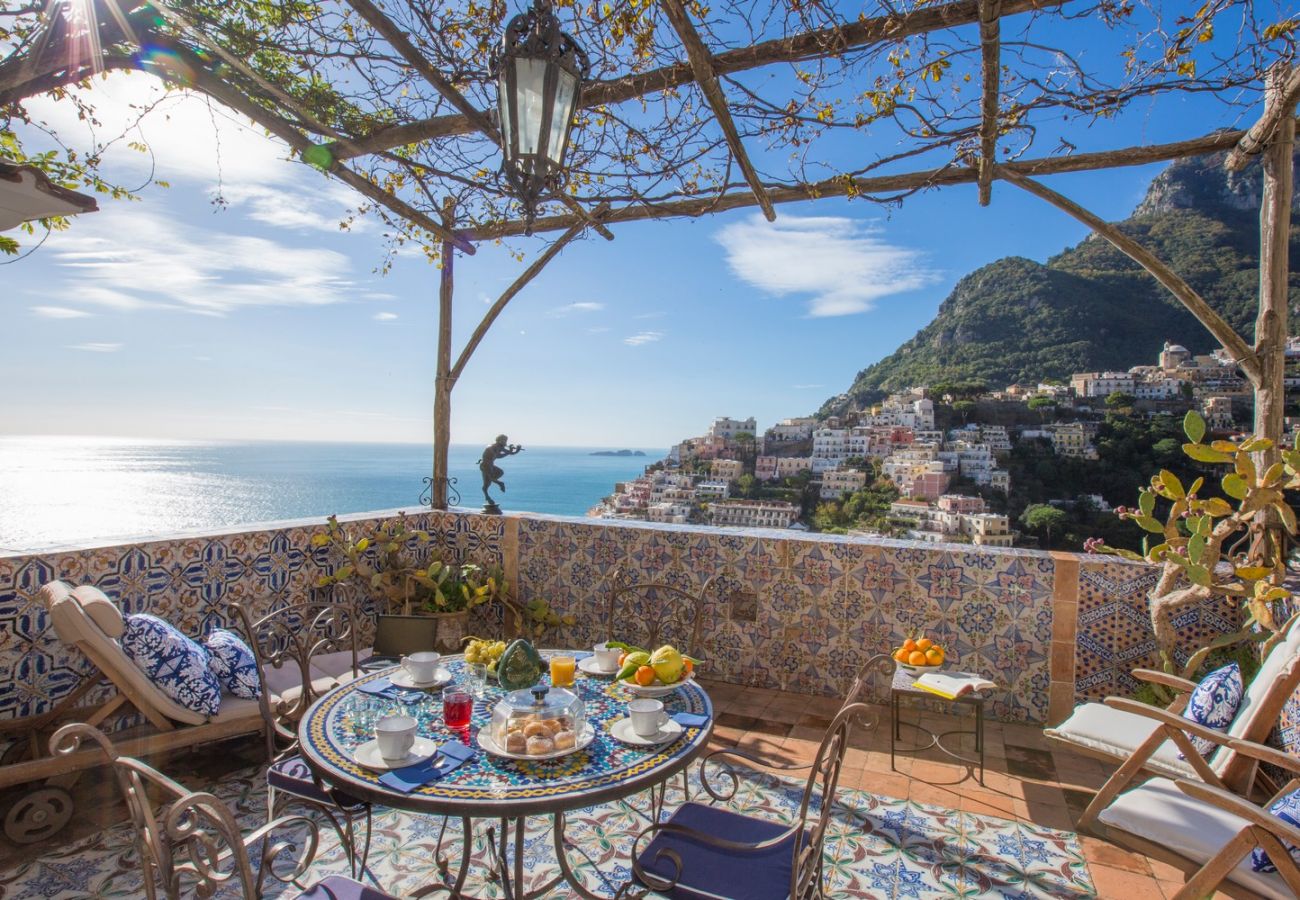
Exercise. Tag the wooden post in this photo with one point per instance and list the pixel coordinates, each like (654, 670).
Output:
(1274, 237)
(443, 381)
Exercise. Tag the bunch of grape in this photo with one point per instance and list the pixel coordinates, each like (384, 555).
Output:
(481, 651)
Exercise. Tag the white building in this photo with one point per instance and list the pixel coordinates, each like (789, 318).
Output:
(727, 428)
(789, 466)
(838, 482)
(713, 489)
(830, 443)
(796, 429)
(1101, 384)
(726, 469)
(753, 513)
(673, 513)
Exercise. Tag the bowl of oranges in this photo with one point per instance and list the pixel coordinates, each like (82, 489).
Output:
(918, 655)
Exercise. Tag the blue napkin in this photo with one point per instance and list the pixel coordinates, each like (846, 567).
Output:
(690, 719)
(380, 687)
(449, 757)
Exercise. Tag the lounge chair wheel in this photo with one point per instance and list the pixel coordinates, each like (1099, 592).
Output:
(38, 815)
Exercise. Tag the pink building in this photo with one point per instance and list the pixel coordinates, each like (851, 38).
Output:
(765, 468)
(960, 503)
(926, 486)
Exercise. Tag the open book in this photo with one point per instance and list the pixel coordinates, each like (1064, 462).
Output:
(951, 685)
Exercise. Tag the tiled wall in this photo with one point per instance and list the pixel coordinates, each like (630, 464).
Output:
(799, 612)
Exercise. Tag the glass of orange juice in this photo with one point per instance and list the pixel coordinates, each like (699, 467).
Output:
(562, 669)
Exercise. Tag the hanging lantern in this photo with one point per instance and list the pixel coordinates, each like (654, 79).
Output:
(539, 71)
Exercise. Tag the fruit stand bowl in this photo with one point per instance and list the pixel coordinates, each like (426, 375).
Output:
(656, 688)
(915, 672)
(917, 656)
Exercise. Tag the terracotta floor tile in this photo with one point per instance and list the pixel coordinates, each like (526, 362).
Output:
(1123, 885)
(1103, 853)
(886, 784)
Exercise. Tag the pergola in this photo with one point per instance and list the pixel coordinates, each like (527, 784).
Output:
(394, 100)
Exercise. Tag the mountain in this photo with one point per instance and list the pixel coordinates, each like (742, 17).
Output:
(1091, 308)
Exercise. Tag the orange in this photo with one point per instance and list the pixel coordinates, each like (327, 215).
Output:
(909, 645)
(688, 667)
(934, 656)
(622, 656)
(645, 676)
(924, 644)
(916, 658)
(901, 655)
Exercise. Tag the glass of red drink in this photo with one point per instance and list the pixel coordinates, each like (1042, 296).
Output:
(457, 705)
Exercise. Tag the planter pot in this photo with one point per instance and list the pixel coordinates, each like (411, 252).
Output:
(453, 628)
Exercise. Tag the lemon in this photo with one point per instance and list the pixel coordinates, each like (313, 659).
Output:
(668, 664)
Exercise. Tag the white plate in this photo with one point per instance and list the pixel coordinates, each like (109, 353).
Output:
(588, 735)
(655, 690)
(368, 755)
(402, 679)
(588, 665)
(622, 730)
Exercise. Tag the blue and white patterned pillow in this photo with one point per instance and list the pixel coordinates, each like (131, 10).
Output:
(233, 663)
(1214, 703)
(1288, 810)
(175, 664)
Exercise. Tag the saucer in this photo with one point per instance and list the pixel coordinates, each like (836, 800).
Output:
(402, 679)
(588, 666)
(622, 731)
(368, 755)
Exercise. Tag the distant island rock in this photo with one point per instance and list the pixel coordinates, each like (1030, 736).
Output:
(617, 453)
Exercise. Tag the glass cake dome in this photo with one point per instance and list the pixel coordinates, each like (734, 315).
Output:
(537, 721)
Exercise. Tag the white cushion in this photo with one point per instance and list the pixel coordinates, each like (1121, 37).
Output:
(1278, 665)
(102, 611)
(338, 663)
(1114, 732)
(1162, 814)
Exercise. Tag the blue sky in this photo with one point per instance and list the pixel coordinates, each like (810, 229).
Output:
(173, 318)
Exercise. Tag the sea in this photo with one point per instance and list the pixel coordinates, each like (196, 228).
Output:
(82, 491)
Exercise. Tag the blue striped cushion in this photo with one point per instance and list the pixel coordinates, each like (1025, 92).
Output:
(175, 664)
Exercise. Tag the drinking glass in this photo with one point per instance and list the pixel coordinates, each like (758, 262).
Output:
(477, 679)
(562, 671)
(457, 705)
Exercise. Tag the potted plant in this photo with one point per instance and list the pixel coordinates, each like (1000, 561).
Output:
(382, 562)
(1232, 545)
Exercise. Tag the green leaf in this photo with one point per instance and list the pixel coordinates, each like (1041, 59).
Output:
(1217, 506)
(1194, 426)
(320, 540)
(1196, 548)
(1147, 523)
(1147, 503)
(1252, 573)
(362, 545)
(1234, 486)
(1172, 484)
(1199, 575)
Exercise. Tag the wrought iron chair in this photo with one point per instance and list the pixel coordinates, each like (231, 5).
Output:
(313, 646)
(200, 829)
(708, 851)
(652, 613)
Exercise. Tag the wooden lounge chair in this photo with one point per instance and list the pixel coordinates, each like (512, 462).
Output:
(1209, 832)
(707, 851)
(1154, 741)
(85, 618)
(201, 830)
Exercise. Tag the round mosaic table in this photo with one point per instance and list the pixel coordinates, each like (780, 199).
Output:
(490, 787)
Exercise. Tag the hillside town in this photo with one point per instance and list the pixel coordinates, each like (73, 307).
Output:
(936, 478)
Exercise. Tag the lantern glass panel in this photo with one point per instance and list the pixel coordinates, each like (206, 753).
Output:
(503, 93)
(530, 79)
(562, 115)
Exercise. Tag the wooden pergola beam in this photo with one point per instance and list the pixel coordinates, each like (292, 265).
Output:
(701, 62)
(878, 184)
(478, 119)
(810, 44)
(1225, 334)
(991, 65)
(1256, 139)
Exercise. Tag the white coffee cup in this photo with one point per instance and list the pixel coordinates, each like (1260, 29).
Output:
(606, 657)
(648, 717)
(422, 666)
(396, 736)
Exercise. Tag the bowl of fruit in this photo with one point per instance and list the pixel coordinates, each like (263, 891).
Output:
(655, 674)
(918, 656)
(489, 653)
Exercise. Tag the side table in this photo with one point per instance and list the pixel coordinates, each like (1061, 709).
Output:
(902, 687)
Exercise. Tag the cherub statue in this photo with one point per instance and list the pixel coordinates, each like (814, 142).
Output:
(492, 472)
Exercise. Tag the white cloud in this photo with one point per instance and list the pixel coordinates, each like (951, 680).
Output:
(843, 263)
(385, 316)
(643, 337)
(129, 259)
(58, 312)
(96, 347)
(596, 329)
(580, 307)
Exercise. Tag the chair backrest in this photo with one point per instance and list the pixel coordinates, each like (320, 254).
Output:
(194, 825)
(650, 614)
(290, 638)
(400, 635)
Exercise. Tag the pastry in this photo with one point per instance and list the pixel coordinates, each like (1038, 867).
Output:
(565, 739)
(538, 746)
(538, 729)
(516, 742)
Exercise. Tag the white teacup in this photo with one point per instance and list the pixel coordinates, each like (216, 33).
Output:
(648, 716)
(606, 657)
(396, 736)
(422, 666)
